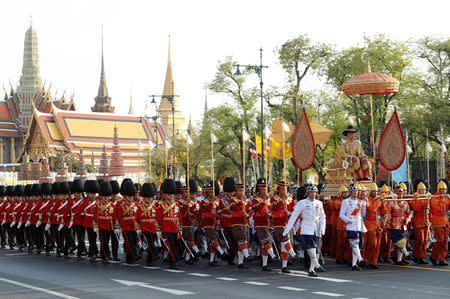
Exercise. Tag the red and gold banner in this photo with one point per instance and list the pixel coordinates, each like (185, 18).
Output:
(392, 147)
(303, 146)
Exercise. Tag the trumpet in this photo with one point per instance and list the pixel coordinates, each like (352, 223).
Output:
(418, 196)
(389, 197)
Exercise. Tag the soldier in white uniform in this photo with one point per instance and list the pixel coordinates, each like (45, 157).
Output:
(313, 223)
(352, 211)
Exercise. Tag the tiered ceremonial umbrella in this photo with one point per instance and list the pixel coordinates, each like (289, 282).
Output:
(371, 83)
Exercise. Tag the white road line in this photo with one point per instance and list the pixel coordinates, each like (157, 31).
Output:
(130, 265)
(173, 270)
(320, 278)
(171, 291)
(256, 283)
(292, 289)
(199, 274)
(115, 262)
(50, 292)
(328, 294)
(360, 298)
(226, 278)
(151, 268)
(12, 254)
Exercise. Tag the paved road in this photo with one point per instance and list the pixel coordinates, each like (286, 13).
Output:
(30, 276)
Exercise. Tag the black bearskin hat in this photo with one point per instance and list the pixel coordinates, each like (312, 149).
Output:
(77, 186)
(19, 190)
(228, 184)
(91, 186)
(148, 190)
(128, 188)
(193, 186)
(105, 189)
(10, 190)
(115, 187)
(36, 189)
(2, 191)
(168, 187)
(29, 190)
(46, 188)
(63, 188)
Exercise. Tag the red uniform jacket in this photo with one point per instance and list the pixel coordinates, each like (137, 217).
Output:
(168, 216)
(262, 212)
(77, 211)
(88, 212)
(9, 212)
(239, 212)
(226, 214)
(146, 217)
(18, 210)
(104, 215)
(281, 210)
(188, 211)
(208, 213)
(34, 212)
(43, 211)
(127, 215)
(54, 219)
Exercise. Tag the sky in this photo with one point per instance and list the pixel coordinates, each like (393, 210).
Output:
(202, 33)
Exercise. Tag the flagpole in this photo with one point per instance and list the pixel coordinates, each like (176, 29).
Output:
(166, 161)
(150, 163)
(212, 165)
(284, 158)
(407, 160)
(187, 167)
(243, 161)
(428, 161)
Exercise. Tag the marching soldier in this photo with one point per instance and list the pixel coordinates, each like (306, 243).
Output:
(116, 202)
(36, 218)
(239, 217)
(373, 225)
(46, 190)
(420, 224)
(282, 206)
(352, 211)
(439, 205)
(64, 213)
(226, 218)
(91, 188)
(313, 224)
(146, 217)
(341, 239)
(127, 219)
(399, 215)
(261, 217)
(188, 211)
(103, 215)
(77, 219)
(3, 204)
(168, 216)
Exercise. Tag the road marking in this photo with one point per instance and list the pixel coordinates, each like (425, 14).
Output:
(256, 283)
(12, 254)
(415, 267)
(199, 274)
(130, 265)
(145, 285)
(319, 278)
(151, 268)
(328, 294)
(50, 292)
(227, 278)
(360, 298)
(173, 270)
(115, 262)
(291, 289)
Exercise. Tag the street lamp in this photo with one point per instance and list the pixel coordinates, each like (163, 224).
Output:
(258, 70)
(170, 98)
(155, 118)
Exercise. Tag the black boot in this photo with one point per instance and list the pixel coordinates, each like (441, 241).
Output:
(266, 268)
(285, 270)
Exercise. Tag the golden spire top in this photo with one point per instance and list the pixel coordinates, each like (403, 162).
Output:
(169, 84)
(130, 110)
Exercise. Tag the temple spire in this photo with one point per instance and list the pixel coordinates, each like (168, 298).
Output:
(130, 110)
(102, 101)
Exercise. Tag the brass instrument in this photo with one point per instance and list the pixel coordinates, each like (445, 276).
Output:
(390, 197)
(418, 196)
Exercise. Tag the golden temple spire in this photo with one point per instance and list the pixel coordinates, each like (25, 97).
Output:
(130, 110)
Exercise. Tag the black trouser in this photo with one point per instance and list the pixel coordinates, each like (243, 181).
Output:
(28, 236)
(173, 247)
(37, 237)
(104, 242)
(48, 237)
(2, 235)
(151, 249)
(20, 236)
(232, 251)
(57, 237)
(80, 233)
(130, 239)
(114, 244)
(11, 232)
(92, 238)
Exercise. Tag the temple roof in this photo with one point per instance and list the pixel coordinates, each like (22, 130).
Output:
(72, 131)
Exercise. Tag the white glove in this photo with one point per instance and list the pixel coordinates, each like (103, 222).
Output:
(285, 234)
(13, 223)
(117, 231)
(323, 232)
(27, 224)
(138, 232)
(60, 227)
(3, 222)
(71, 223)
(96, 229)
(19, 225)
(38, 223)
(47, 227)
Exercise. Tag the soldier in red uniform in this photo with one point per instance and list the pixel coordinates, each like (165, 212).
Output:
(126, 216)
(208, 216)
(9, 215)
(77, 217)
(3, 203)
(64, 214)
(239, 218)
(226, 219)
(261, 217)
(420, 224)
(168, 217)
(282, 206)
(115, 200)
(146, 218)
(91, 188)
(18, 211)
(36, 218)
(103, 216)
(44, 216)
(439, 206)
(188, 211)
(53, 219)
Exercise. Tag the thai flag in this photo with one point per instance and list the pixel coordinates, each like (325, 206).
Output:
(252, 148)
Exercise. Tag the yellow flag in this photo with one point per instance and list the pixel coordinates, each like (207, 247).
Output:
(258, 145)
(276, 150)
